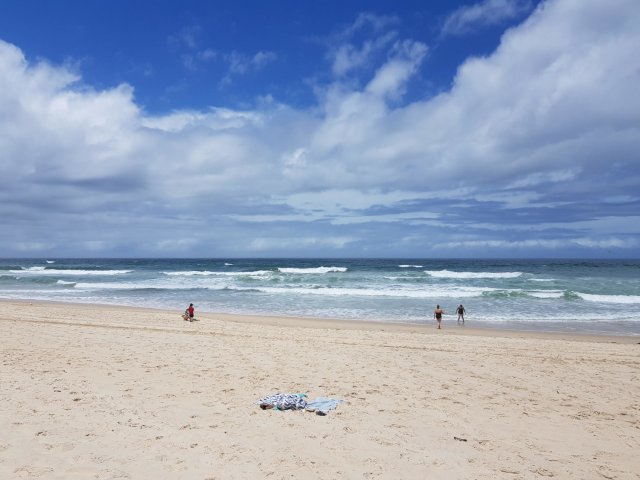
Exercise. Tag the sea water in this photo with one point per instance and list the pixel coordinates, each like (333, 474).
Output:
(591, 296)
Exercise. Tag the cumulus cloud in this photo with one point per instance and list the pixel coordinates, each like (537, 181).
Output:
(515, 156)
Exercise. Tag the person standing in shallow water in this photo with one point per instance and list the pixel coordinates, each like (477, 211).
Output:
(461, 311)
(437, 314)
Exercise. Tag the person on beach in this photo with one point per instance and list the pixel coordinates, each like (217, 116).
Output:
(461, 311)
(189, 312)
(437, 314)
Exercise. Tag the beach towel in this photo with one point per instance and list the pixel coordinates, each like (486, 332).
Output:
(298, 401)
(284, 401)
(323, 405)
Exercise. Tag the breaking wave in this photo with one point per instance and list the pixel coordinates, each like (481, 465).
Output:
(313, 270)
(450, 274)
(207, 273)
(52, 271)
(629, 299)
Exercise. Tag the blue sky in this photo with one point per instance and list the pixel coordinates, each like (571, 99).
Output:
(498, 128)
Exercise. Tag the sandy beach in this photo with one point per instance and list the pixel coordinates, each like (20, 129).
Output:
(104, 392)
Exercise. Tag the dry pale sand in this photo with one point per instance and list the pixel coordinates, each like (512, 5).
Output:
(109, 392)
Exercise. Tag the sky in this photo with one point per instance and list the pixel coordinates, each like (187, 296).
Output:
(415, 129)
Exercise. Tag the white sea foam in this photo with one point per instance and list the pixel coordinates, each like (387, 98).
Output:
(313, 270)
(134, 286)
(628, 299)
(450, 274)
(443, 292)
(228, 264)
(207, 273)
(410, 266)
(50, 271)
(162, 283)
(50, 261)
(546, 293)
(50, 294)
(542, 279)
(62, 282)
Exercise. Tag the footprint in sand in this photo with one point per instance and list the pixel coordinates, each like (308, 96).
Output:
(511, 471)
(543, 472)
(30, 471)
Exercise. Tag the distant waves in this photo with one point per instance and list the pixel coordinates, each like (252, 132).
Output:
(522, 292)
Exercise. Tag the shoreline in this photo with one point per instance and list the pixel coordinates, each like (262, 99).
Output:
(452, 328)
(517, 295)
(101, 391)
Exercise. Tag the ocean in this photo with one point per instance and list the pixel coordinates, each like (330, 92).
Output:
(587, 296)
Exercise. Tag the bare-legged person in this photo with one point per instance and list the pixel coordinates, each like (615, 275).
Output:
(437, 314)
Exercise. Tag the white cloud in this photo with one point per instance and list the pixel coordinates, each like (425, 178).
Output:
(295, 161)
(487, 12)
(348, 57)
(207, 55)
(194, 61)
(243, 64)
(298, 244)
(262, 58)
(502, 244)
(543, 244)
(607, 242)
(334, 201)
(240, 64)
(345, 53)
(215, 119)
(544, 177)
(546, 99)
(377, 23)
(390, 79)
(533, 134)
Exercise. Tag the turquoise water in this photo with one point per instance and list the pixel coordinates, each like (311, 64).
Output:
(600, 296)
